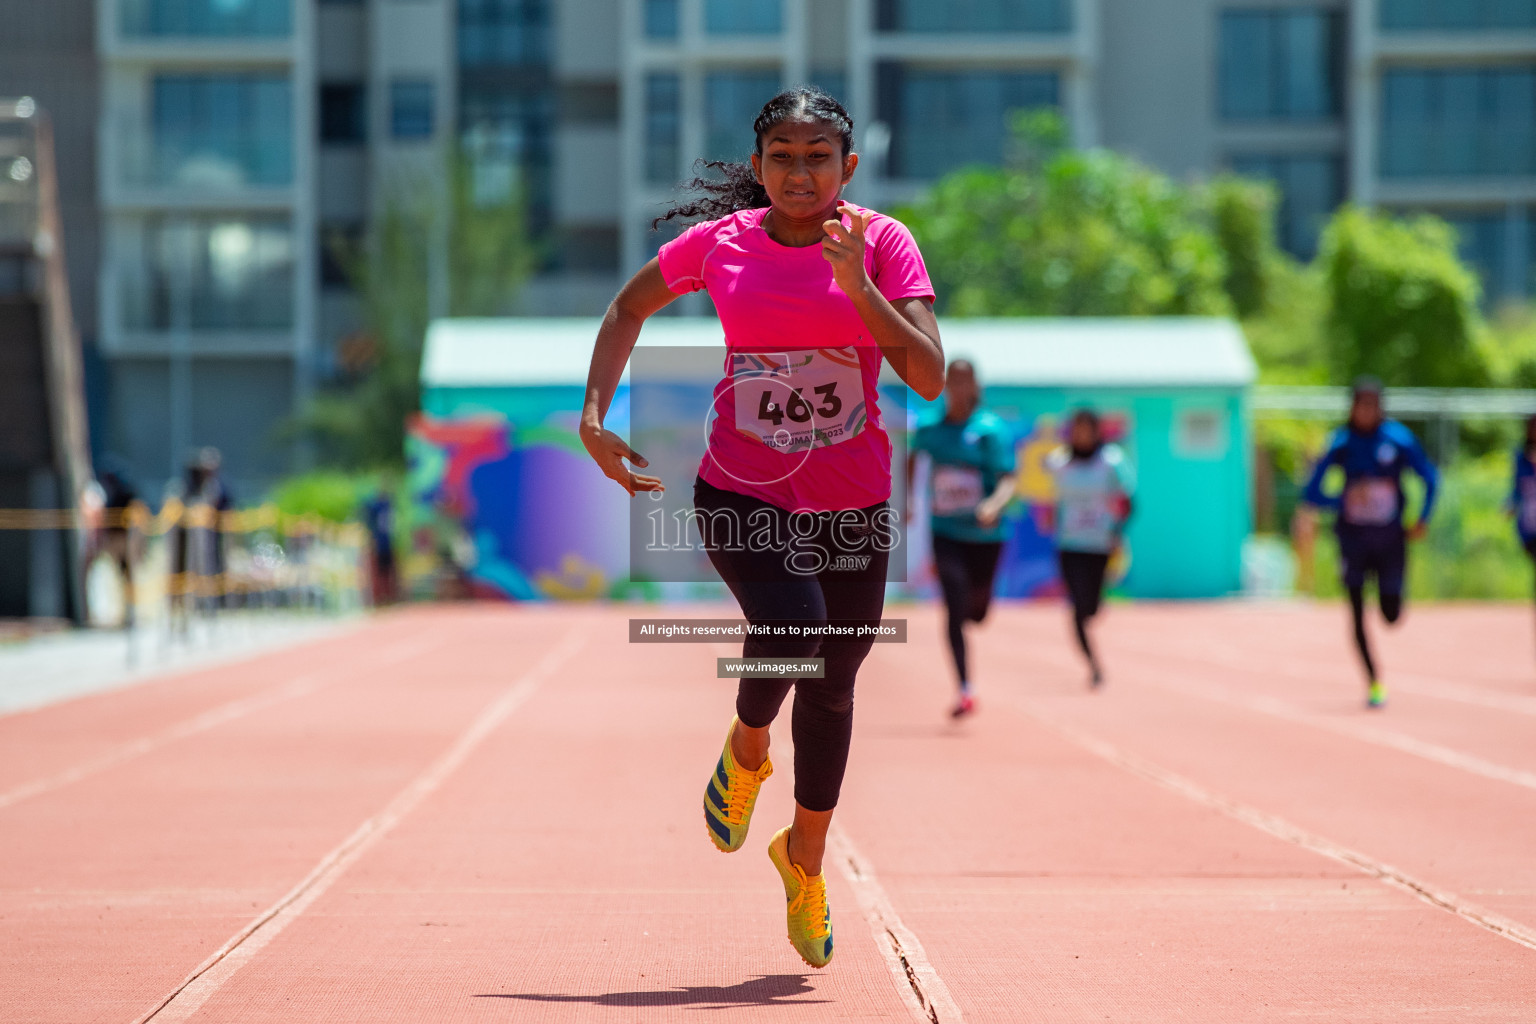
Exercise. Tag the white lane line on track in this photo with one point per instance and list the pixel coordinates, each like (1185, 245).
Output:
(1427, 686)
(300, 685)
(1278, 827)
(1407, 682)
(920, 986)
(1447, 756)
(201, 984)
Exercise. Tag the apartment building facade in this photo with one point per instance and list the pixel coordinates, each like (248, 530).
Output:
(236, 137)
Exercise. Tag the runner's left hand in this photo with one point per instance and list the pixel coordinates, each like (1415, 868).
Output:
(990, 511)
(1418, 531)
(844, 249)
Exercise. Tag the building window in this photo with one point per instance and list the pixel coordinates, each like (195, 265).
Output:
(411, 109)
(943, 120)
(1311, 187)
(833, 83)
(662, 126)
(1457, 14)
(222, 130)
(1501, 246)
(973, 15)
(732, 100)
(503, 33)
(340, 243)
(660, 18)
(738, 17)
(343, 112)
(1446, 122)
(1280, 64)
(507, 132)
(207, 273)
(589, 250)
(238, 18)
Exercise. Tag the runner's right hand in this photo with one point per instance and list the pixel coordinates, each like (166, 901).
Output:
(609, 451)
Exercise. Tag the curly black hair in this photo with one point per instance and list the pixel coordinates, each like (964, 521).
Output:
(737, 187)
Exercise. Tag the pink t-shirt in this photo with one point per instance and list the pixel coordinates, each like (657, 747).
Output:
(798, 420)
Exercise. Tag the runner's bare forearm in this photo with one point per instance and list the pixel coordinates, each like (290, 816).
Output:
(909, 338)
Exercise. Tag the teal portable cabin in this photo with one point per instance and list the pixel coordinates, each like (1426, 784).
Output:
(1172, 391)
(496, 446)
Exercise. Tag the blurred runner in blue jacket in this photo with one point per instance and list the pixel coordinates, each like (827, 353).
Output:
(1374, 453)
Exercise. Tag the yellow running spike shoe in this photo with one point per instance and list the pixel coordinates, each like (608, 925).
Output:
(729, 797)
(810, 919)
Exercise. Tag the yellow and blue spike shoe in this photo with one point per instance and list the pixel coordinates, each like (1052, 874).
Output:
(729, 797)
(1376, 696)
(810, 919)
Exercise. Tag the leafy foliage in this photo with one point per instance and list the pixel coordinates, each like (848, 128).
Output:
(1243, 217)
(328, 494)
(1401, 306)
(1060, 232)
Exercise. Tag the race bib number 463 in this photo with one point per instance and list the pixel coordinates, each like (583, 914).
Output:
(796, 401)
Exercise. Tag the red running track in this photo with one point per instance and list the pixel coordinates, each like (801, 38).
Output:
(492, 814)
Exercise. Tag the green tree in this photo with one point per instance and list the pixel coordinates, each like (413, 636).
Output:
(1401, 305)
(478, 222)
(1243, 217)
(1068, 233)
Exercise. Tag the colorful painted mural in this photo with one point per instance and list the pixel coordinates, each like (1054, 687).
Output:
(515, 508)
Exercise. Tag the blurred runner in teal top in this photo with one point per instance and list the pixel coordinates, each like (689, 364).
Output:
(970, 480)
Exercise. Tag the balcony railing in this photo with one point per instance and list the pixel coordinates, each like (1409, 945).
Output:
(223, 158)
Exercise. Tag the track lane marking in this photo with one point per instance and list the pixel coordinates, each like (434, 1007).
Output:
(1280, 828)
(921, 988)
(299, 686)
(1274, 707)
(188, 997)
(1408, 682)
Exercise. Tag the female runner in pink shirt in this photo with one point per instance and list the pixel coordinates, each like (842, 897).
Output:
(792, 494)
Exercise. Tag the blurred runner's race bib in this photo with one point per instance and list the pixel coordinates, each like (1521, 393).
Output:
(1089, 516)
(956, 490)
(1371, 502)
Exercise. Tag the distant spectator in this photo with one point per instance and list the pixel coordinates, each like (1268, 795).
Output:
(113, 533)
(216, 495)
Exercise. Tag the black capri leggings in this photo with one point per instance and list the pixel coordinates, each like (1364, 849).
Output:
(966, 571)
(1082, 572)
(806, 569)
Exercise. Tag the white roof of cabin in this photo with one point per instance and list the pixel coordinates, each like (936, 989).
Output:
(1136, 352)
